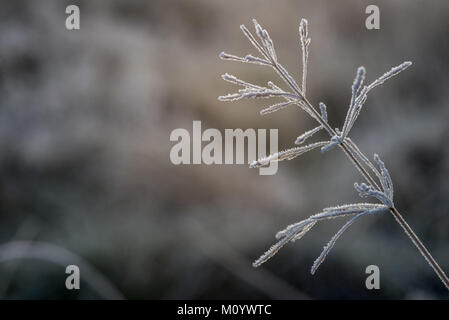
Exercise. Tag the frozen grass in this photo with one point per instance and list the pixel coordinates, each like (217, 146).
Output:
(378, 183)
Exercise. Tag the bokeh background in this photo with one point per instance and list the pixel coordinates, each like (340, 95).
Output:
(85, 174)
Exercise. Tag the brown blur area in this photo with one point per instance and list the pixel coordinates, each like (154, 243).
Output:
(85, 121)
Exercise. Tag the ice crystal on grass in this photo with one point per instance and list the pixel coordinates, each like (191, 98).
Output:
(378, 184)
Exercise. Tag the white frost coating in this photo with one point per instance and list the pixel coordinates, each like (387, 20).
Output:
(305, 42)
(334, 239)
(293, 228)
(357, 101)
(306, 229)
(230, 97)
(297, 230)
(253, 40)
(389, 74)
(358, 82)
(227, 56)
(291, 81)
(387, 183)
(266, 41)
(356, 151)
(275, 107)
(307, 135)
(233, 79)
(251, 59)
(265, 93)
(288, 154)
(335, 140)
(352, 206)
(272, 251)
(264, 45)
(365, 191)
(323, 111)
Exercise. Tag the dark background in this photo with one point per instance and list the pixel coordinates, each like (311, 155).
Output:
(85, 120)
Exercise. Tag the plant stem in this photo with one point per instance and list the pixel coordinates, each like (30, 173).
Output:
(398, 217)
(422, 249)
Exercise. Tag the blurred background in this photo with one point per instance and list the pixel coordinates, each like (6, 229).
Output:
(86, 178)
